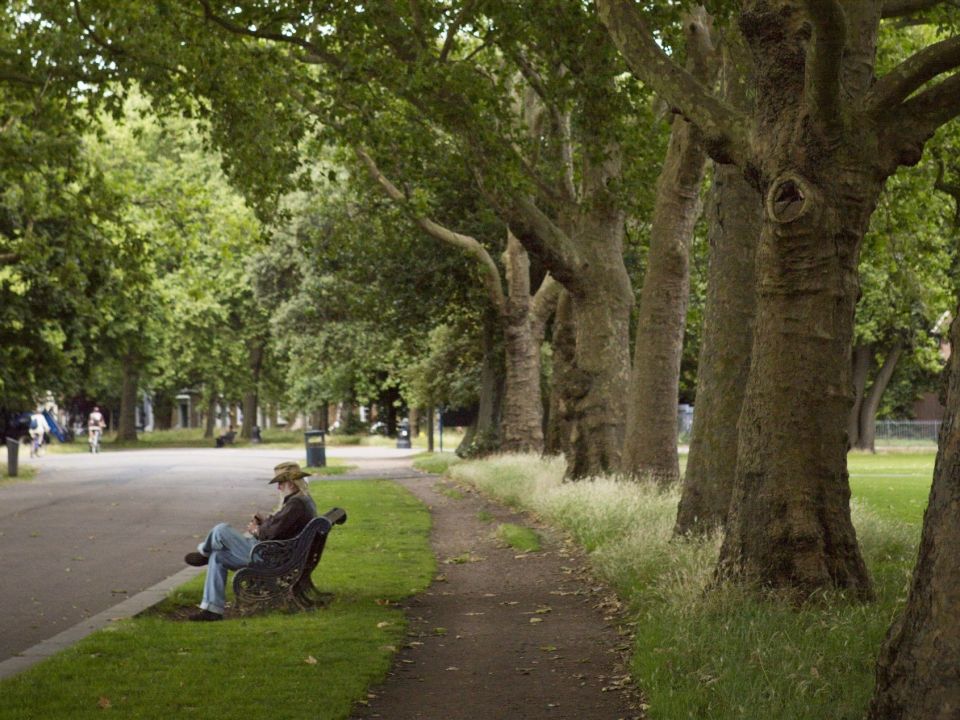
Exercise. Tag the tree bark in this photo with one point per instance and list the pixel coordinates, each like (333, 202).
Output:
(735, 216)
(255, 351)
(522, 407)
(868, 412)
(211, 421)
(482, 436)
(917, 673)
(862, 358)
(127, 422)
(557, 437)
(650, 446)
(601, 301)
(789, 524)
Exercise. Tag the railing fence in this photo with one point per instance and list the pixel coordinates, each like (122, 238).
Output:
(890, 433)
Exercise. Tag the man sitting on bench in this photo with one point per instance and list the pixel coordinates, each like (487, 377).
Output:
(227, 438)
(226, 548)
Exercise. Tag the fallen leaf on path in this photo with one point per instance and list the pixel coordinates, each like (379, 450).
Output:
(453, 668)
(536, 620)
(103, 703)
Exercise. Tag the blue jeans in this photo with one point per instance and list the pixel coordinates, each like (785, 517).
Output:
(228, 549)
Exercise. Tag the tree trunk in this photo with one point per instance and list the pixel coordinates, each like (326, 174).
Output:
(601, 302)
(868, 413)
(431, 422)
(790, 515)
(522, 407)
(734, 227)
(862, 358)
(255, 350)
(482, 437)
(557, 437)
(789, 525)
(917, 676)
(650, 447)
(163, 406)
(211, 422)
(127, 422)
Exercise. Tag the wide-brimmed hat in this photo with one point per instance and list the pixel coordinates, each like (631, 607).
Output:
(288, 471)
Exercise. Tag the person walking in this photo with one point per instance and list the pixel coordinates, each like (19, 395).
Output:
(39, 427)
(95, 425)
(225, 548)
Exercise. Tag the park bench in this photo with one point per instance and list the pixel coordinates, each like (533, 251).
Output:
(278, 576)
(226, 438)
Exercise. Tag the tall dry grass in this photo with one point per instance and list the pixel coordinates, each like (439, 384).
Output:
(704, 650)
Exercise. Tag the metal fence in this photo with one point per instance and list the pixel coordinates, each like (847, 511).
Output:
(890, 433)
(908, 432)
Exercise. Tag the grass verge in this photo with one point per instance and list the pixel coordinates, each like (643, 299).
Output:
(434, 463)
(518, 537)
(307, 665)
(723, 653)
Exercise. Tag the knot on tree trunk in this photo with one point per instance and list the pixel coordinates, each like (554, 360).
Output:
(793, 201)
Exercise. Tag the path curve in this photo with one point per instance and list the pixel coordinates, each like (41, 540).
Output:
(501, 634)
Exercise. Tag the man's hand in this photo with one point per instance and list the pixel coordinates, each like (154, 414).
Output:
(253, 527)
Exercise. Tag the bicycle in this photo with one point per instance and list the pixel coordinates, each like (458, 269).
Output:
(94, 439)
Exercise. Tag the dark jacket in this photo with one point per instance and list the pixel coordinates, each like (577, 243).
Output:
(287, 522)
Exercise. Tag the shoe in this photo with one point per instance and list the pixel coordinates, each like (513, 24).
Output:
(205, 616)
(196, 559)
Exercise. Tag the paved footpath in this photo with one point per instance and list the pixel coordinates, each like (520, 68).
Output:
(91, 531)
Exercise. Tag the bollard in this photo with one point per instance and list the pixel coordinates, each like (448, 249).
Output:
(13, 456)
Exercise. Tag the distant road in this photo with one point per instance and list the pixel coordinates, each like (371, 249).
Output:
(92, 530)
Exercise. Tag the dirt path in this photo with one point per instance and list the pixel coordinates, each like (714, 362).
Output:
(501, 635)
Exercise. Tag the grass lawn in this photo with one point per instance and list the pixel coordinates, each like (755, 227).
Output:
(723, 653)
(307, 665)
(895, 485)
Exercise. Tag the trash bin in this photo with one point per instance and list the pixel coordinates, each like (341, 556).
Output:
(316, 448)
(13, 456)
(403, 436)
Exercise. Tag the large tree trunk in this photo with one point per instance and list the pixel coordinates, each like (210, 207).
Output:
(211, 421)
(789, 524)
(870, 406)
(163, 406)
(601, 303)
(482, 437)
(650, 446)
(862, 358)
(127, 422)
(917, 673)
(522, 406)
(255, 350)
(557, 437)
(735, 218)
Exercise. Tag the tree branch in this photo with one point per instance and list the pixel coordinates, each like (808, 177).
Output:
(491, 273)
(900, 8)
(922, 114)
(543, 304)
(822, 81)
(725, 129)
(912, 73)
(454, 28)
(542, 237)
(951, 189)
(11, 258)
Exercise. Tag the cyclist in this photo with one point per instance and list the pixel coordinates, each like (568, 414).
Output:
(95, 425)
(39, 427)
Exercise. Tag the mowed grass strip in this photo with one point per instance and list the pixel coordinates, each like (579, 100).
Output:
(304, 665)
(703, 651)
